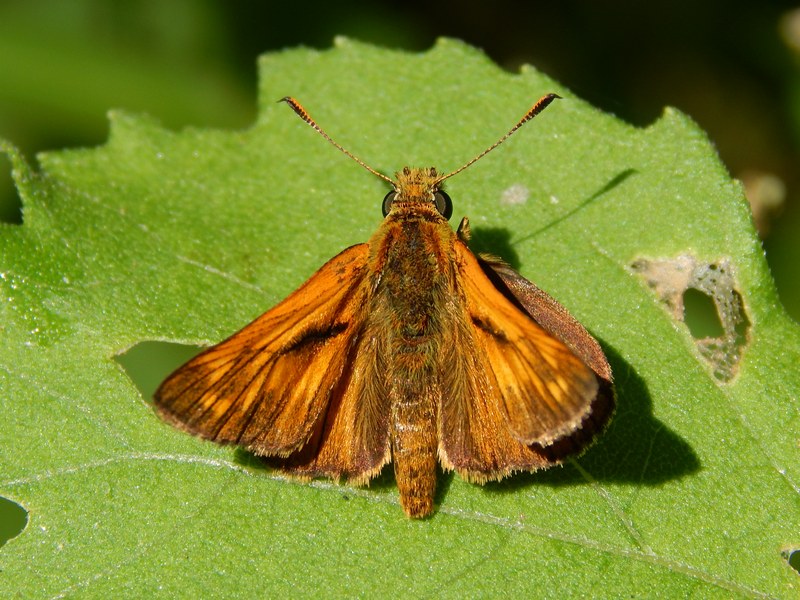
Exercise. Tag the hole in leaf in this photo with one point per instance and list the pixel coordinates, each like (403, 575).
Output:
(793, 558)
(700, 314)
(704, 297)
(13, 519)
(148, 363)
(10, 203)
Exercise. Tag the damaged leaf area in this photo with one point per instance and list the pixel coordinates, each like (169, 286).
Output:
(161, 240)
(672, 280)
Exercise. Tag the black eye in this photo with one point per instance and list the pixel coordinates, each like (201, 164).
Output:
(387, 202)
(443, 204)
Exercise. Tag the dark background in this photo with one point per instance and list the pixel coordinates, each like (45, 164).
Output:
(732, 66)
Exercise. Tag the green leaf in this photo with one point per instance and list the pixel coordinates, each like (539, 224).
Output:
(187, 236)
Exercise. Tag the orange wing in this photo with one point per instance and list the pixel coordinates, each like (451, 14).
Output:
(291, 379)
(518, 400)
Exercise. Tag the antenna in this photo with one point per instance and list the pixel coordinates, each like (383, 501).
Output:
(301, 112)
(534, 110)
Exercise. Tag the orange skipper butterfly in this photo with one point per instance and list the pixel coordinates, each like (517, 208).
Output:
(407, 349)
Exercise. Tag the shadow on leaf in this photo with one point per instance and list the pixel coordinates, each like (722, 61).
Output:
(635, 448)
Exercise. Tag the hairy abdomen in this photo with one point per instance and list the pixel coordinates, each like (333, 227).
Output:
(414, 438)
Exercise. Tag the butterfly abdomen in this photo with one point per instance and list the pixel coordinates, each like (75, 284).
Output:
(414, 447)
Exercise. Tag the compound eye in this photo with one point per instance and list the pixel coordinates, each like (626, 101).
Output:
(387, 202)
(443, 204)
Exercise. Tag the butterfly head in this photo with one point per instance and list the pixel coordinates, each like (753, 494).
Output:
(416, 187)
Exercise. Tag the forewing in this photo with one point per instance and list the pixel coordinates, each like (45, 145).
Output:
(267, 386)
(514, 394)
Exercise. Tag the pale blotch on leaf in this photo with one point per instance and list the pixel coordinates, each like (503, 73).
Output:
(515, 195)
(704, 297)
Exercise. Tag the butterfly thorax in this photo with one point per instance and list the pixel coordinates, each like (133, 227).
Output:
(410, 259)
